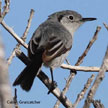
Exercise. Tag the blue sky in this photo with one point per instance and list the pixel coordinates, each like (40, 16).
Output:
(17, 19)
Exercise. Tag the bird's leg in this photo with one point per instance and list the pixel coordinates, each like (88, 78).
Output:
(54, 84)
(51, 70)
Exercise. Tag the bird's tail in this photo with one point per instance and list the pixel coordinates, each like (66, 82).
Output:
(26, 77)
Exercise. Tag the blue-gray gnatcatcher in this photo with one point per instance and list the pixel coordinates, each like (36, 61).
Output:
(50, 45)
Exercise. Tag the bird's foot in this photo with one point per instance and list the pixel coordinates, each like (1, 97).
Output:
(53, 86)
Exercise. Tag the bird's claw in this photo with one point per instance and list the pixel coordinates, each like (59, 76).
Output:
(53, 86)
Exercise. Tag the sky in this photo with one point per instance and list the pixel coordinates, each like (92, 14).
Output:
(17, 19)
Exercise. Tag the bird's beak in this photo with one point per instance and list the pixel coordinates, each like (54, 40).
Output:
(87, 19)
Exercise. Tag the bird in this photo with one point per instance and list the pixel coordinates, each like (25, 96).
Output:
(50, 44)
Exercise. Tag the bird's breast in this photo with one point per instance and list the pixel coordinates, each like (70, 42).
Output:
(56, 62)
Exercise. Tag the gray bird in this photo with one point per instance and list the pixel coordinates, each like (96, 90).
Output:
(50, 45)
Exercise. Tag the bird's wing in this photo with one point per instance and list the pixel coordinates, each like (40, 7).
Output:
(51, 39)
(57, 42)
(54, 48)
(33, 46)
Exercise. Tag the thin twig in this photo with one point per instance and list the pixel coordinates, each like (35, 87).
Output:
(67, 61)
(5, 10)
(9, 60)
(80, 60)
(81, 68)
(15, 99)
(97, 81)
(106, 26)
(23, 37)
(82, 93)
(47, 82)
(73, 73)
(11, 31)
(28, 25)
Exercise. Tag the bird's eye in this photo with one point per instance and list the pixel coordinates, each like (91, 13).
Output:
(71, 17)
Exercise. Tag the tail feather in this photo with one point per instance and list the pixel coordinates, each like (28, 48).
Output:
(27, 76)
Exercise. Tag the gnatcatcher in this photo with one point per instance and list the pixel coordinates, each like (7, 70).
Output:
(50, 45)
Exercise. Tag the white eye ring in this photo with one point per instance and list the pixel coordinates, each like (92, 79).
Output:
(70, 17)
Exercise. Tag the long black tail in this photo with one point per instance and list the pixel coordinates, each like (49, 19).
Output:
(26, 77)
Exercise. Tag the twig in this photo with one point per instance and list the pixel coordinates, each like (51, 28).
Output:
(23, 37)
(47, 82)
(15, 99)
(11, 31)
(106, 26)
(9, 60)
(81, 68)
(5, 89)
(82, 93)
(28, 25)
(73, 73)
(80, 60)
(67, 61)
(98, 80)
(5, 10)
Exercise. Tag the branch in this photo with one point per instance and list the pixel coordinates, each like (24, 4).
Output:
(11, 31)
(47, 82)
(81, 68)
(5, 89)
(106, 26)
(23, 37)
(5, 9)
(73, 73)
(80, 60)
(98, 80)
(28, 25)
(82, 93)
(15, 99)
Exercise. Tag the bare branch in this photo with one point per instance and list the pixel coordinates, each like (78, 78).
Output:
(67, 61)
(98, 80)
(47, 82)
(81, 68)
(80, 60)
(82, 93)
(15, 99)
(5, 89)
(28, 25)
(5, 10)
(9, 60)
(106, 26)
(11, 31)
(23, 37)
